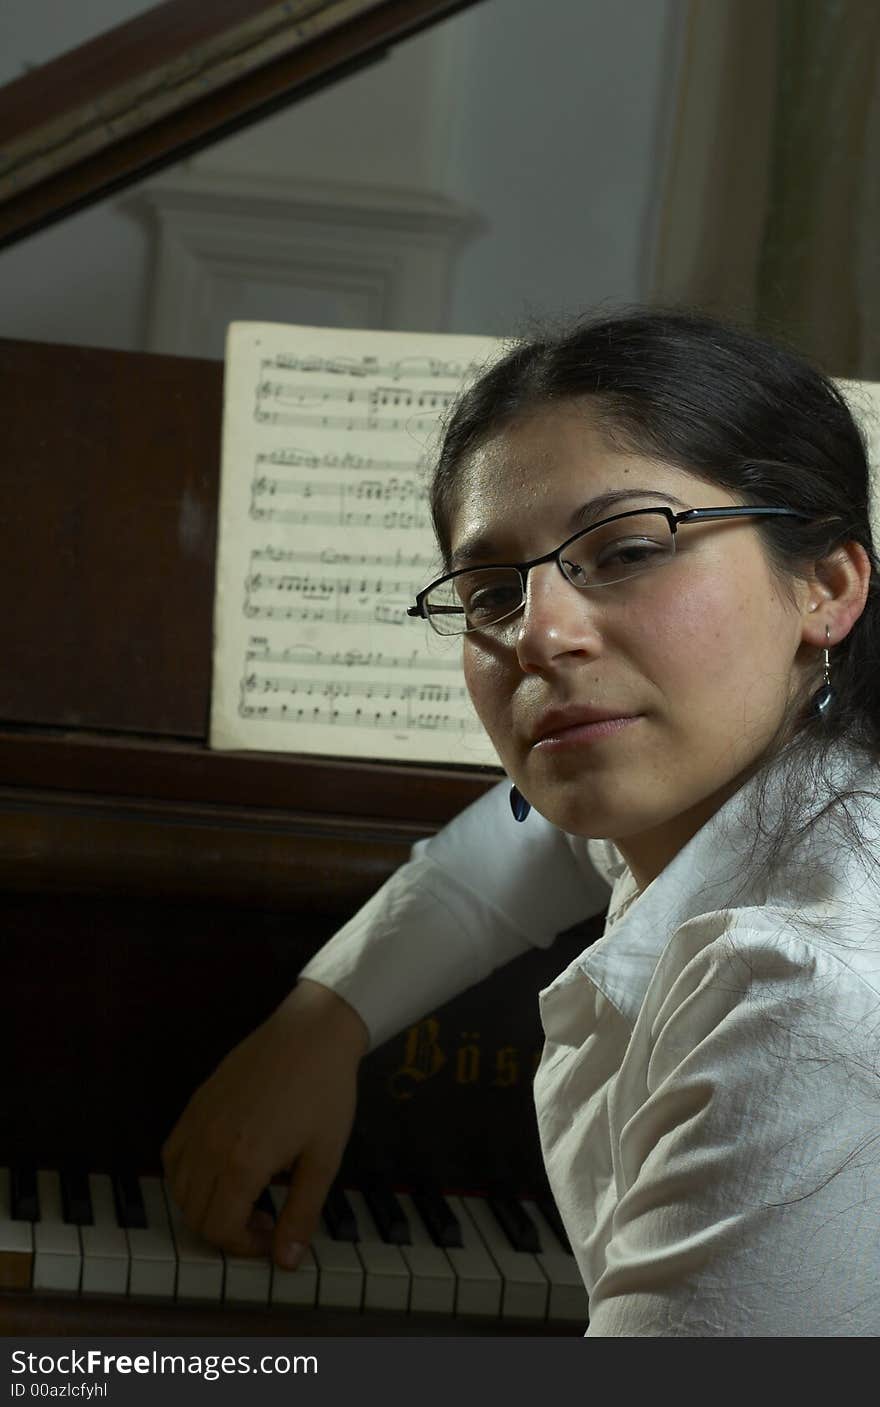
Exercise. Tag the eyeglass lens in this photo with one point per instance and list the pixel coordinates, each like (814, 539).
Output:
(612, 552)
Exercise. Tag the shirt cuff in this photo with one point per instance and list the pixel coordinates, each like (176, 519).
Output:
(412, 947)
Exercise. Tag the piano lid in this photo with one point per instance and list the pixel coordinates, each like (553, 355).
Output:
(172, 81)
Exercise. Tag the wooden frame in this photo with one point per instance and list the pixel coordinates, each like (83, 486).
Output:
(170, 82)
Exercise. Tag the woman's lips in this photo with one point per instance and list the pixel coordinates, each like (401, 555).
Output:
(582, 733)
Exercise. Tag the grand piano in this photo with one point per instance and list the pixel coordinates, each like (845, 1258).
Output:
(159, 899)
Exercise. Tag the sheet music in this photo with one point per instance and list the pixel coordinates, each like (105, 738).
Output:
(329, 438)
(863, 399)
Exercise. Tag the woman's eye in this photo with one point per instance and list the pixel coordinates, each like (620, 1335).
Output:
(486, 602)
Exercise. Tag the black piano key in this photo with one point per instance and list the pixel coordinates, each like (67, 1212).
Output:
(388, 1214)
(438, 1216)
(130, 1209)
(339, 1216)
(515, 1222)
(76, 1199)
(264, 1203)
(24, 1195)
(550, 1212)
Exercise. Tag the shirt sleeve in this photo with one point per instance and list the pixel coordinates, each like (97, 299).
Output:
(748, 1178)
(477, 894)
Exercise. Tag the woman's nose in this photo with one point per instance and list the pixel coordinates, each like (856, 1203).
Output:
(557, 618)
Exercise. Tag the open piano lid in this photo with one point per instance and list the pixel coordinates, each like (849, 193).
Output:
(171, 81)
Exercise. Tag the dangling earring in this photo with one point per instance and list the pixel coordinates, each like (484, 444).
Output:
(518, 805)
(823, 700)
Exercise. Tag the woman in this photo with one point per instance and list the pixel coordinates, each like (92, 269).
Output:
(709, 1093)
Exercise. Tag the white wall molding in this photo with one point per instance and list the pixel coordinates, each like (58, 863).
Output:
(227, 248)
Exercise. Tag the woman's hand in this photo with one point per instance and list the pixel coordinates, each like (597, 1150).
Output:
(286, 1093)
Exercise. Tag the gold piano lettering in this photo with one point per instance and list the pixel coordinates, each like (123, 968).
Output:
(467, 1059)
(506, 1066)
(422, 1058)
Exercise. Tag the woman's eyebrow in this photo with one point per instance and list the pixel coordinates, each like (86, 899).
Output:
(604, 504)
(483, 545)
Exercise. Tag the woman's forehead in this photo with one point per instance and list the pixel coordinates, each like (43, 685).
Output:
(555, 462)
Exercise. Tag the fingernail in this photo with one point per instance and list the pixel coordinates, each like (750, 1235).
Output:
(291, 1254)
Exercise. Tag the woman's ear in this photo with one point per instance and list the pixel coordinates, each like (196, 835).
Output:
(837, 596)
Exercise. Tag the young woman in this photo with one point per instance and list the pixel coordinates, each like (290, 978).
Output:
(663, 522)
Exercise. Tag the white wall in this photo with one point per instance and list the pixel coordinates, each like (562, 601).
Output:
(82, 280)
(548, 118)
(556, 131)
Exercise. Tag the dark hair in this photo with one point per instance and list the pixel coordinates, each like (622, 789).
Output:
(737, 410)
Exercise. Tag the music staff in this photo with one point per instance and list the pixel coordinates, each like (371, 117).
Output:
(260, 650)
(394, 370)
(362, 718)
(382, 613)
(354, 688)
(393, 518)
(330, 557)
(290, 393)
(347, 423)
(322, 588)
(311, 460)
(383, 406)
(385, 490)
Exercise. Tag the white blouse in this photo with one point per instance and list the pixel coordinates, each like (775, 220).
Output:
(708, 1098)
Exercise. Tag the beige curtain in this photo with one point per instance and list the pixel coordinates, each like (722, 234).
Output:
(771, 203)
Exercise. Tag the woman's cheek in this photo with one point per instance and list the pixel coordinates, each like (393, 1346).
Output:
(485, 680)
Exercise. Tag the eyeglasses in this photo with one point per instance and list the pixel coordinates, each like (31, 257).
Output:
(618, 548)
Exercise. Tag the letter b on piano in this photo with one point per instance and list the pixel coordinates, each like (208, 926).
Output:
(422, 1058)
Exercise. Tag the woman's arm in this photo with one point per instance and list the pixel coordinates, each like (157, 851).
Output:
(476, 895)
(471, 898)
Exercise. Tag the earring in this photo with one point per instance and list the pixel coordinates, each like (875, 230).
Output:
(518, 805)
(822, 701)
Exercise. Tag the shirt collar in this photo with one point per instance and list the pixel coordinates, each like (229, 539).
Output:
(715, 870)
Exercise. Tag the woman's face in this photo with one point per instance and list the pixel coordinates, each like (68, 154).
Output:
(703, 650)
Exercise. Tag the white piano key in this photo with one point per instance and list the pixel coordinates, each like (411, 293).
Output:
(248, 1279)
(200, 1267)
(298, 1286)
(16, 1242)
(568, 1293)
(387, 1278)
(104, 1245)
(479, 1285)
(153, 1261)
(433, 1279)
(526, 1287)
(57, 1247)
(340, 1271)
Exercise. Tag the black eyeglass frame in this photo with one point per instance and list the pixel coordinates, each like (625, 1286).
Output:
(689, 515)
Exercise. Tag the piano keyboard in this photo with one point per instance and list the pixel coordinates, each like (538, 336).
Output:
(458, 1256)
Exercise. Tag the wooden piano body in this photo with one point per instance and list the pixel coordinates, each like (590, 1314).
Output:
(158, 898)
